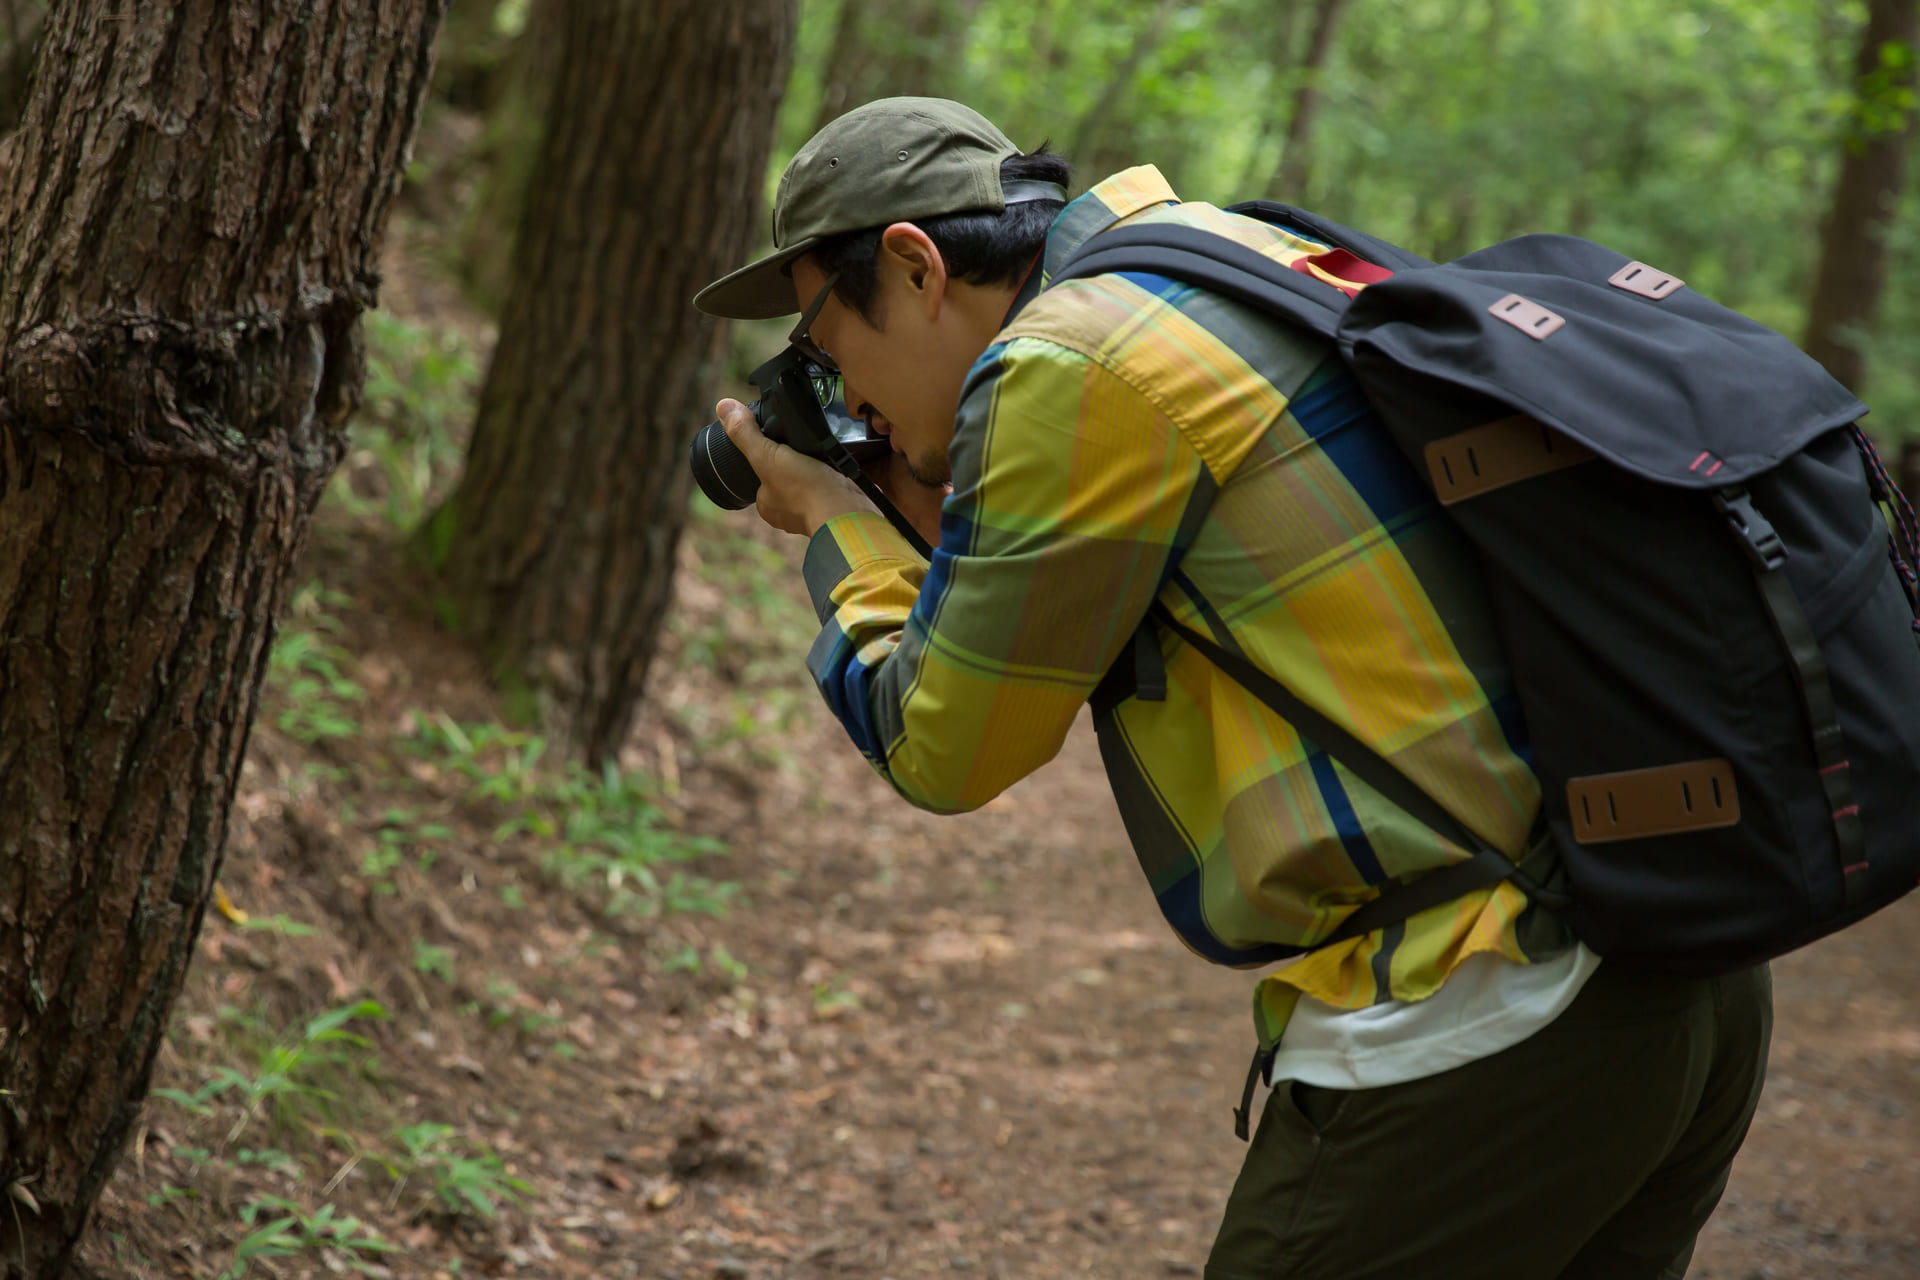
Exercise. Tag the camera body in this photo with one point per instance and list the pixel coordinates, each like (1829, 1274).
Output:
(799, 408)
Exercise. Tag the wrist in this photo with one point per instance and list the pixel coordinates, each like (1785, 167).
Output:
(842, 499)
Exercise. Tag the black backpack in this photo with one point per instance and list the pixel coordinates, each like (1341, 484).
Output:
(1715, 637)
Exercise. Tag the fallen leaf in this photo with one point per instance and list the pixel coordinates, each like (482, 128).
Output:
(664, 1195)
(226, 907)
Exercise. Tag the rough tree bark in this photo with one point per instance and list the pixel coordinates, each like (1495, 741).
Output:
(1296, 153)
(1873, 172)
(557, 549)
(188, 221)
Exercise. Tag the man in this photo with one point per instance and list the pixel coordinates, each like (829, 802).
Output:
(1465, 1093)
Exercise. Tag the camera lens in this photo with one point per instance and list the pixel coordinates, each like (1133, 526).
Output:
(721, 470)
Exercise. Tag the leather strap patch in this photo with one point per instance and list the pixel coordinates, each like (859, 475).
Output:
(1498, 454)
(1696, 796)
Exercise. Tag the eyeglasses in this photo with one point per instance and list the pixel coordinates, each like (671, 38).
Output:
(799, 337)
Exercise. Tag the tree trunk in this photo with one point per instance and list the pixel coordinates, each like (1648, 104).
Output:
(557, 548)
(844, 69)
(519, 94)
(188, 228)
(1097, 124)
(1285, 17)
(1873, 171)
(1296, 155)
(916, 37)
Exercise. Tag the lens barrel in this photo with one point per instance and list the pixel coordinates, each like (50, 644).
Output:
(721, 470)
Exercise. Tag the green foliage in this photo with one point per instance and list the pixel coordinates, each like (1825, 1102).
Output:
(750, 639)
(399, 834)
(1700, 135)
(435, 962)
(466, 1179)
(417, 401)
(597, 831)
(289, 1074)
(284, 925)
(346, 1241)
(1885, 98)
(306, 670)
(831, 998)
(507, 1005)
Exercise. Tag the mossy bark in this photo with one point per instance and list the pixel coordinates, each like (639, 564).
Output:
(189, 215)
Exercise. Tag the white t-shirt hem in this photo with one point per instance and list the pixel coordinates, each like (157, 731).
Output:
(1486, 1005)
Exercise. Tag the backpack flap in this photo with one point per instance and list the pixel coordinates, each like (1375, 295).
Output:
(1674, 388)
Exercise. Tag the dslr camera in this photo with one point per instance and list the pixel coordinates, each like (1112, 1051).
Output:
(799, 406)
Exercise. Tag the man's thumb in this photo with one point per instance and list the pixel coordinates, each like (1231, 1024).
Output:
(745, 433)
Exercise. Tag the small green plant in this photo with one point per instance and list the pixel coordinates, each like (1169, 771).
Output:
(507, 1004)
(167, 1194)
(723, 960)
(306, 669)
(397, 835)
(435, 962)
(602, 831)
(282, 924)
(287, 1069)
(832, 997)
(465, 1179)
(271, 1159)
(420, 384)
(347, 1241)
(607, 833)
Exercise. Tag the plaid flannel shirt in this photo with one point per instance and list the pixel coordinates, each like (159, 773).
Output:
(1127, 438)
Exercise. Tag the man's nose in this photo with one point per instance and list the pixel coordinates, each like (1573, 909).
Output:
(861, 407)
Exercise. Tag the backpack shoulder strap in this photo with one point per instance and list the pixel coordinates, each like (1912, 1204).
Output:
(1379, 252)
(1396, 902)
(1214, 263)
(1231, 269)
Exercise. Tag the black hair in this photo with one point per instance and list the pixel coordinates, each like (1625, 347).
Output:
(979, 247)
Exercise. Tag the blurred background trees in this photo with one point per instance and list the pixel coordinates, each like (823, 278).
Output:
(1755, 147)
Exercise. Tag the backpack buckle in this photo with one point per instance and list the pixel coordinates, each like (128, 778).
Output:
(1762, 543)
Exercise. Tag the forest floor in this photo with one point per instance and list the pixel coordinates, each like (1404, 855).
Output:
(736, 1011)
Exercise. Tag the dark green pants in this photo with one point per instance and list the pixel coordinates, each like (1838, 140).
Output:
(1594, 1149)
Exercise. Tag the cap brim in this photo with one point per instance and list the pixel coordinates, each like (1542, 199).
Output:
(758, 291)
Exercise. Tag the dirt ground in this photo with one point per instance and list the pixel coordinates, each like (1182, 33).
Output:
(956, 1045)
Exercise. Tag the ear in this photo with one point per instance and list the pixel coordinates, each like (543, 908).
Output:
(910, 253)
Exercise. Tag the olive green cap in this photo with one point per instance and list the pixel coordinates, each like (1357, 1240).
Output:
(889, 161)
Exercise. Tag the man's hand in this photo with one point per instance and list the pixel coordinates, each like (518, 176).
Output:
(797, 493)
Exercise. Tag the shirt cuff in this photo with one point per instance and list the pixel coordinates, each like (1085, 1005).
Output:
(844, 545)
